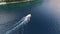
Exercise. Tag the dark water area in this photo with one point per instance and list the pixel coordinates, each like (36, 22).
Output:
(42, 20)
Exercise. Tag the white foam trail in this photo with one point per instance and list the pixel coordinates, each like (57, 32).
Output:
(19, 24)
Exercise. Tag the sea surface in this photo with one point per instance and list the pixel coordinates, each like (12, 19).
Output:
(44, 19)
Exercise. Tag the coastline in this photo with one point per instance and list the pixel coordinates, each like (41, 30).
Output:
(3, 3)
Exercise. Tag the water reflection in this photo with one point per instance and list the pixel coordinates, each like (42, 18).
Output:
(47, 15)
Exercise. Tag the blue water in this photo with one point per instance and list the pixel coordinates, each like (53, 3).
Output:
(42, 21)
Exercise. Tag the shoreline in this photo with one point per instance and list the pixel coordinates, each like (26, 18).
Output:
(3, 3)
